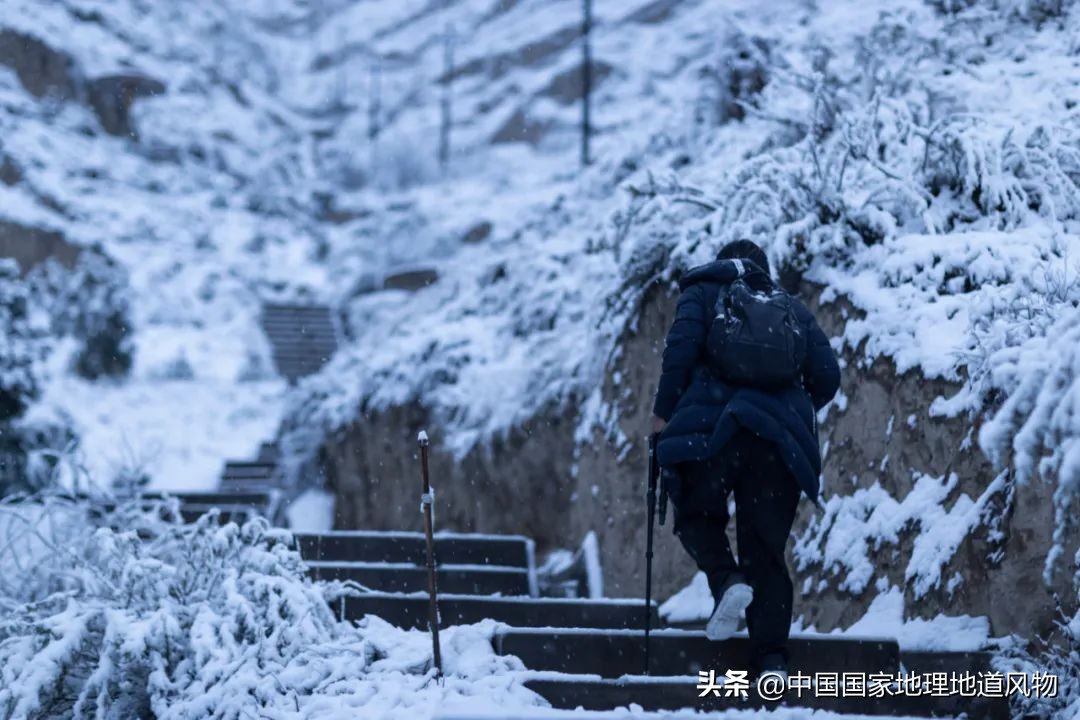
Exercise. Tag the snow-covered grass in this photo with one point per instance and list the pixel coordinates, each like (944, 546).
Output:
(129, 614)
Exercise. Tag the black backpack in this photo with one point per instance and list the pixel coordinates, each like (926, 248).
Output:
(756, 338)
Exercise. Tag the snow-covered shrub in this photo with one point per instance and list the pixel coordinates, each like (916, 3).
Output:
(38, 454)
(1057, 655)
(740, 71)
(133, 614)
(89, 302)
(21, 343)
(1034, 11)
(885, 167)
(951, 7)
(1037, 426)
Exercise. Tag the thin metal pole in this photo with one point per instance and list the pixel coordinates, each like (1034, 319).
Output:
(425, 504)
(650, 504)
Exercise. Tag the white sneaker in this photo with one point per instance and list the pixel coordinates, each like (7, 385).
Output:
(729, 610)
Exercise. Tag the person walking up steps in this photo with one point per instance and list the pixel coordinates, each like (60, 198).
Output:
(745, 368)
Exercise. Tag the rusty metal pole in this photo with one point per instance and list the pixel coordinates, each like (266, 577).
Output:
(426, 500)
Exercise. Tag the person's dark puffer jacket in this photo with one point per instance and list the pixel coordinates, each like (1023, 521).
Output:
(702, 411)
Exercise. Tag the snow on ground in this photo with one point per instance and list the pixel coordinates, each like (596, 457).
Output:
(176, 433)
(171, 423)
(312, 512)
(527, 713)
(884, 618)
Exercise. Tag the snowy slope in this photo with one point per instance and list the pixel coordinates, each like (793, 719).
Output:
(252, 177)
(936, 191)
(922, 164)
(200, 212)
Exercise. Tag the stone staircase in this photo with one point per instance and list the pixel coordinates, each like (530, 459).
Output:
(579, 653)
(590, 653)
(302, 337)
(587, 653)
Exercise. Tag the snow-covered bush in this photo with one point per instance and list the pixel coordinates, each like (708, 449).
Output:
(21, 343)
(1035, 11)
(1037, 426)
(884, 166)
(131, 613)
(90, 303)
(22, 346)
(741, 70)
(38, 454)
(1057, 655)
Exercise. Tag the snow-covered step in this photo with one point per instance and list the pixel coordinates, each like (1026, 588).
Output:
(238, 470)
(929, 661)
(614, 653)
(255, 499)
(411, 611)
(408, 577)
(233, 506)
(409, 547)
(591, 692)
(238, 514)
(232, 485)
(269, 452)
(248, 476)
(302, 337)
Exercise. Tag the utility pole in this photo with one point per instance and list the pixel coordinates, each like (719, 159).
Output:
(586, 78)
(447, 79)
(341, 86)
(374, 105)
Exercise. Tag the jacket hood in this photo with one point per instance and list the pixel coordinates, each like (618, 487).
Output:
(724, 272)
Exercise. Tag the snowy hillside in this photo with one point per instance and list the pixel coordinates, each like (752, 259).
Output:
(252, 176)
(849, 139)
(187, 210)
(261, 133)
(852, 165)
(922, 165)
(912, 167)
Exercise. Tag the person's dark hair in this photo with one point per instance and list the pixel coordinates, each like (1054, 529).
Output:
(745, 250)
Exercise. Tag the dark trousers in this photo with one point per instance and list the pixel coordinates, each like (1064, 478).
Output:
(766, 497)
